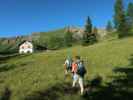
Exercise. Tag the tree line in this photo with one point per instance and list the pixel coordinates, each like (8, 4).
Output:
(122, 20)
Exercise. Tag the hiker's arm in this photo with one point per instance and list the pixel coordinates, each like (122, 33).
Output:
(65, 66)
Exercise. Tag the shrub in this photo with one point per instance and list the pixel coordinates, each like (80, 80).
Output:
(55, 42)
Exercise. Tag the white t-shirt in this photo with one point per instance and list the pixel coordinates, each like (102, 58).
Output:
(66, 62)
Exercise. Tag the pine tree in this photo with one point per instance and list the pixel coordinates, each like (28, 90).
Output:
(130, 14)
(88, 26)
(109, 27)
(87, 32)
(120, 19)
(94, 35)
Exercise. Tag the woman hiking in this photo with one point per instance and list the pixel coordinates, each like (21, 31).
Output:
(78, 71)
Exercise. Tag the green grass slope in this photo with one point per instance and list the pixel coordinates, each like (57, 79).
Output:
(40, 76)
(59, 32)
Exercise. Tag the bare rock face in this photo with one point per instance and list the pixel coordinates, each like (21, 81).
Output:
(102, 32)
(78, 32)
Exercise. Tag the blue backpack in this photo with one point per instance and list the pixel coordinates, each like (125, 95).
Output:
(81, 69)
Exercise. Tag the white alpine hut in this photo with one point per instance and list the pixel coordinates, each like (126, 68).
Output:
(26, 47)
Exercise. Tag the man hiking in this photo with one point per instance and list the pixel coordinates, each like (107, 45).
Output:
(78, 71)
(68, 65)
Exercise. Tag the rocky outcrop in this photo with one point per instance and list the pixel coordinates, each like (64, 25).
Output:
(78, 32)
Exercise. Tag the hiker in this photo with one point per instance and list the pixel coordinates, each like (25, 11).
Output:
(78, 71)
(68, 65)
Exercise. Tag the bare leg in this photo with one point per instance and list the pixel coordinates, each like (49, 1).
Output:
(81, 85)
(75, 79)
(66, 73)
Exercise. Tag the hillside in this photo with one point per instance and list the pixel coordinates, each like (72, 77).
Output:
(40, 76)
(10, 45)
(46, 35)
(59, 32)
(41, 39)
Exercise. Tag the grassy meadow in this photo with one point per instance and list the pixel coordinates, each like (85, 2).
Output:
(40, 76)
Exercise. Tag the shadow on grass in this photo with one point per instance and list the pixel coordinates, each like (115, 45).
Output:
(63, 89)
(6, 94)
(53, 93)
(6, 67)
(4, 58)
(121, 88)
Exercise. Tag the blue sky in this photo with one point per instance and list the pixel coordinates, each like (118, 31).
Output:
(21, 17)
